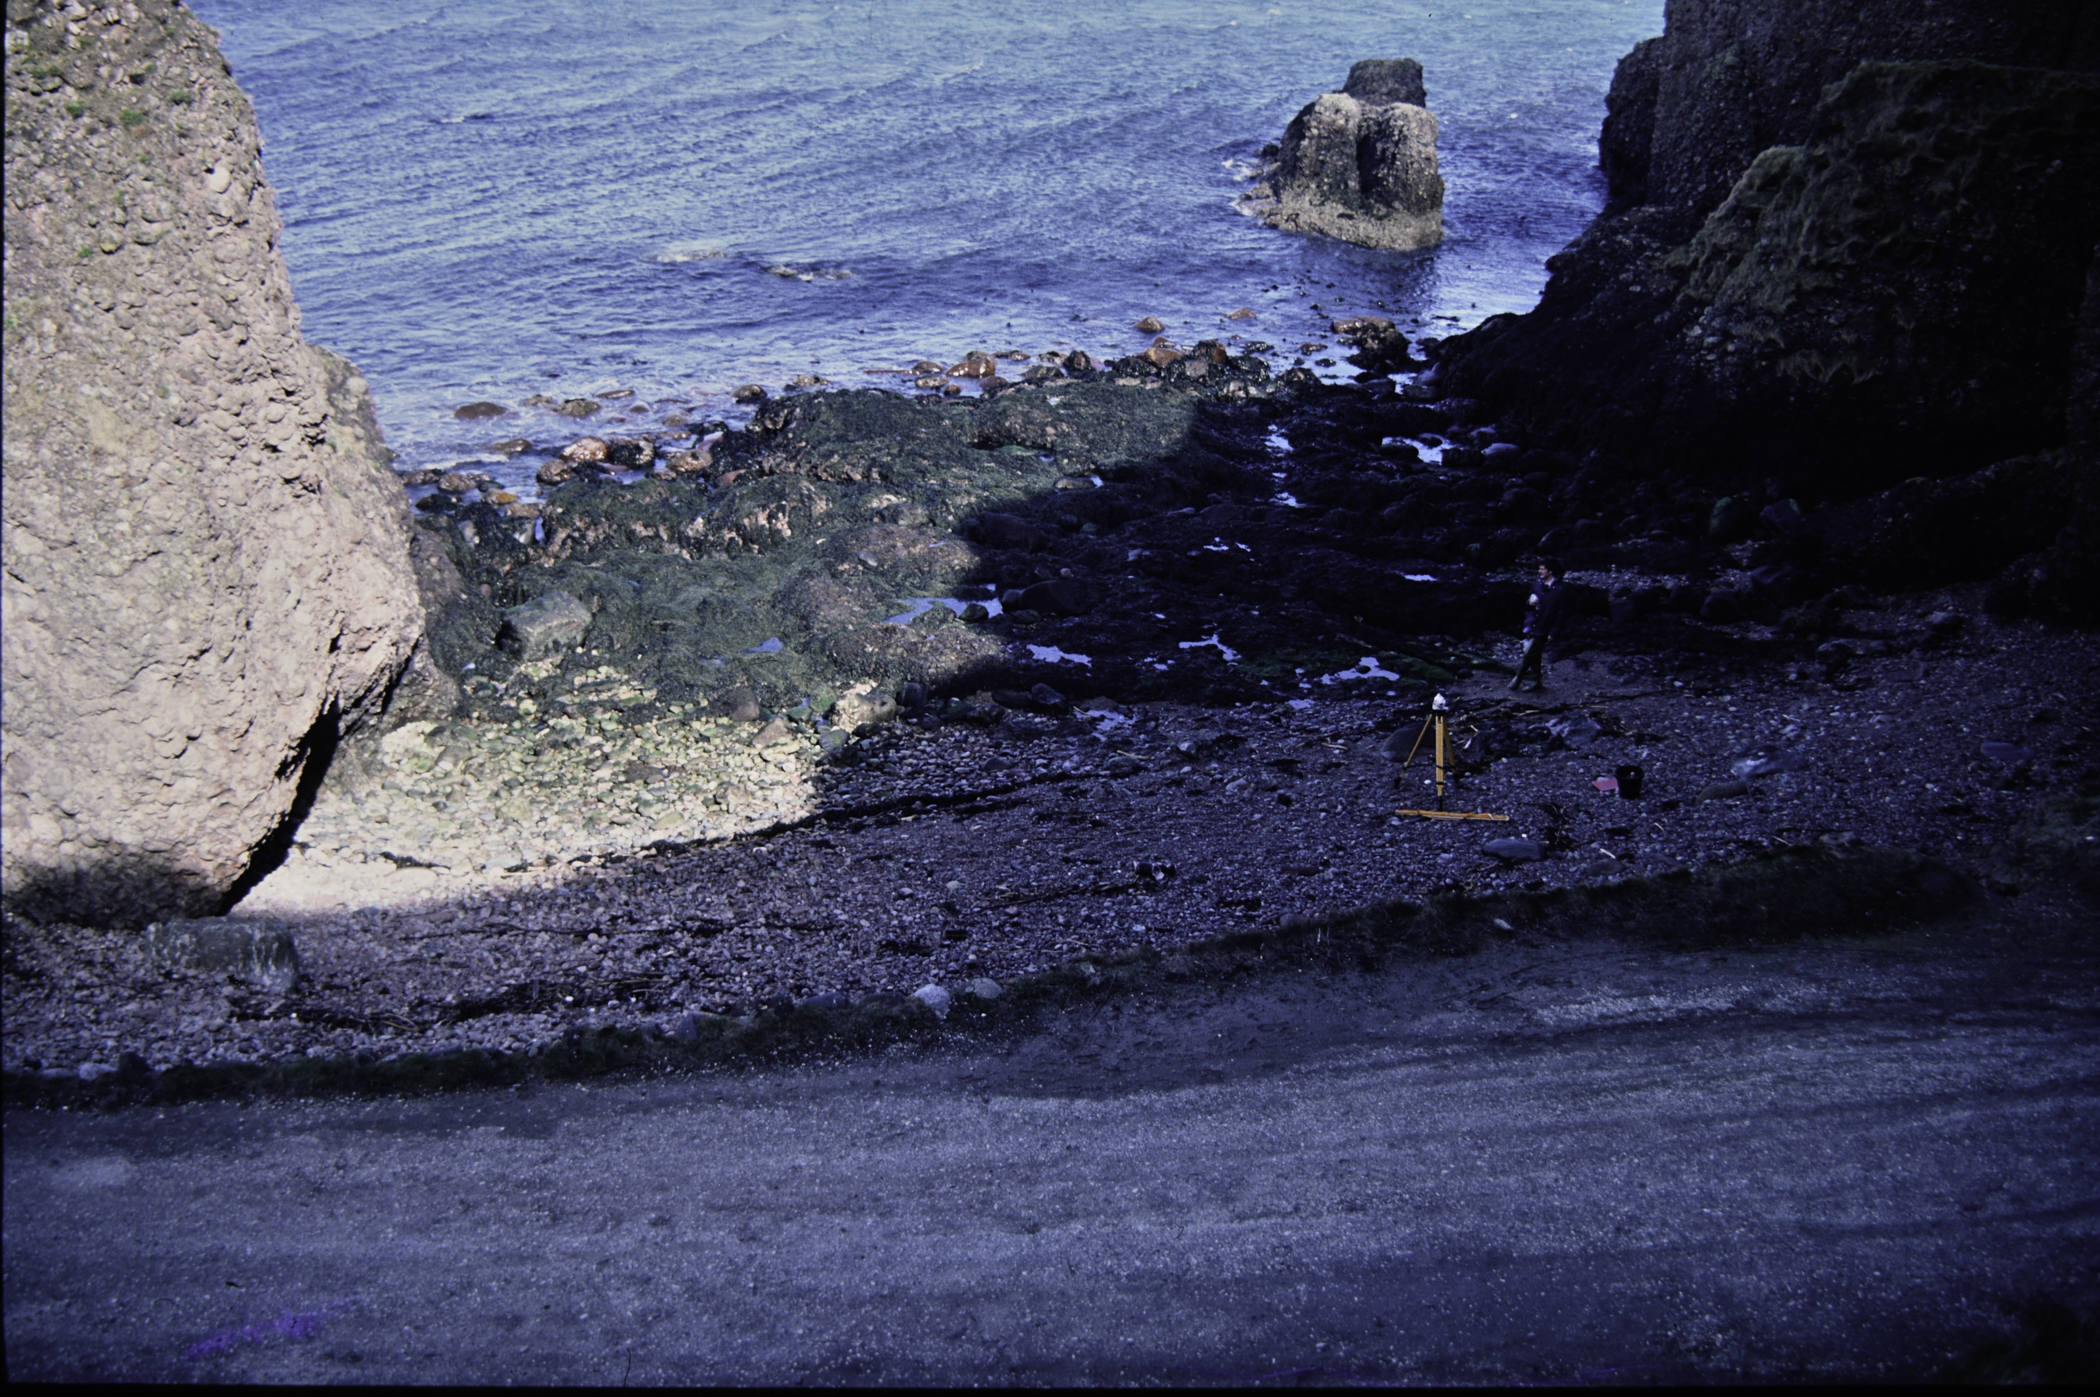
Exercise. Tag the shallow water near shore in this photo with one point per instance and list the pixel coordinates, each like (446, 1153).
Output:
(484, 200)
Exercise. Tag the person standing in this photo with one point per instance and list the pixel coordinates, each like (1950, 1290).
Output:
(1542, 623)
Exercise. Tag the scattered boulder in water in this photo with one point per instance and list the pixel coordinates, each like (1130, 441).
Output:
(580, 407)
(474, 412)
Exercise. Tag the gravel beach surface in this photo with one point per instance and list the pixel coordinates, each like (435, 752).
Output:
(969, 853)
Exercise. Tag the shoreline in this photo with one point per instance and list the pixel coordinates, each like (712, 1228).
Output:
(639, 942)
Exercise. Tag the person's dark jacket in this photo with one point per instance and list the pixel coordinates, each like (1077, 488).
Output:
(1556, 608)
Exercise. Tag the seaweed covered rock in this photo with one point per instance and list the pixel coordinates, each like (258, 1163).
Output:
(207, 572)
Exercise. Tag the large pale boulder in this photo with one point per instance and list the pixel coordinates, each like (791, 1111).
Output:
(1360, 164)
(206, 558)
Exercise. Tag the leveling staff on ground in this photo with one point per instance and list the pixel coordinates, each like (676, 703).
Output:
(1550, 607)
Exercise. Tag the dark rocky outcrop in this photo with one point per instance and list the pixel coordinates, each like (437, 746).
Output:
(1894, 297)
(1360, 164)
(1625, 146)
(207, 573)
(2062, 581)
(1733, 78)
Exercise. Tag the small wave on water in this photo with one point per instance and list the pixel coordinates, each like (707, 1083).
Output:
(690, 252)
(481, 203)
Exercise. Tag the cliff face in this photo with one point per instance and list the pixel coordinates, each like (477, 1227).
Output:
(1838, 286)
(1730, 78)
(1896, 297)
(206, 558)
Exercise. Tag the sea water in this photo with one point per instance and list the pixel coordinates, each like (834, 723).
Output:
(491, 199)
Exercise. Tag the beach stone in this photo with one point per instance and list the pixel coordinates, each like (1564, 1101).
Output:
(1061, 596)
(1517, 850)
(1150, 325)
(590, 450)
(1045, 697)
(935, 998)
(580, 407)
(855, 710)
(1120, 766)
(474, 412)
(1243, 313)
(996, 530)
(264, 956)
(545, 625)
(510, 446)
(1725, 790)
(457, 483)
(555, 472)
(984, 988)
(775, 732)
(748, 393)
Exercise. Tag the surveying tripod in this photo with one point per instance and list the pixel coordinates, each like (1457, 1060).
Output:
(1439, 722)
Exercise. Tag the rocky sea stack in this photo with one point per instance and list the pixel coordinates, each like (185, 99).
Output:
(1360, 164)
(207, 571)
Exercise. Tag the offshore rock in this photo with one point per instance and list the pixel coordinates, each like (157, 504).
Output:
(1896, 297)
(1360, 164)
(207, 559)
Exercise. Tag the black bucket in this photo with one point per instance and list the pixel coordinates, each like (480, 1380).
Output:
(1629, 782)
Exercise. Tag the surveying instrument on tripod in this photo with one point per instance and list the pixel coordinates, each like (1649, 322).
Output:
(1439, 722)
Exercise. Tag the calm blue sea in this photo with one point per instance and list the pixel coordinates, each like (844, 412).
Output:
(491, 198)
